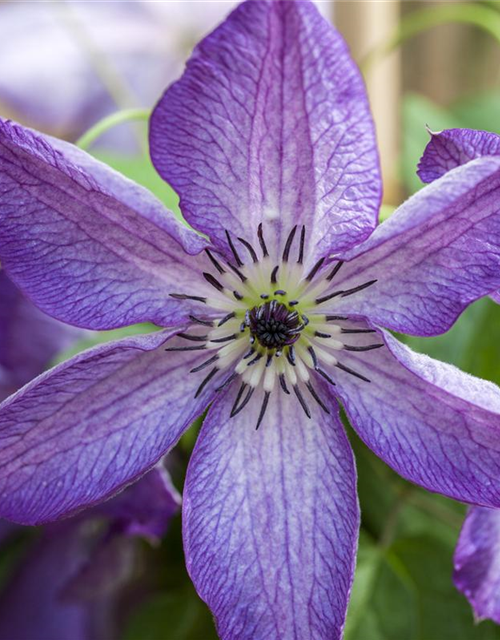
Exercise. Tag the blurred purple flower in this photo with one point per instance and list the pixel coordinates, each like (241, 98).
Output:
(64, 66)
(73, 573)
(267, 136)
(477, 562)
(68, 584)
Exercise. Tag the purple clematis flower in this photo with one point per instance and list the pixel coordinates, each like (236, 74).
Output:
(452, 148)
(272, 319)
(477, 562)
(72, 576)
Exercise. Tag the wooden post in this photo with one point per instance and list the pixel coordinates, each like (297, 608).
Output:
(365, 24)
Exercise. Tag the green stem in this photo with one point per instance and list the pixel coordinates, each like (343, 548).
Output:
(416, 22)
(119, 117)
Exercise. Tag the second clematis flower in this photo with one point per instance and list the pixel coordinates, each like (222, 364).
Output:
(273, 317)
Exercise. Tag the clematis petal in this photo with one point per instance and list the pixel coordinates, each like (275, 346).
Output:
(477, 562)
(434, 256)
(435, 425)
(143, 509)
(146, 507)
(82, 431)
(453, 147)
(271, 521)
(270, 123)
(29, 339)
(88, 246)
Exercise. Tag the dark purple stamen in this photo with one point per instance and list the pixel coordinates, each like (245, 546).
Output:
(262, 242)
(325, 376)
(240, 275)
(237, 295)
(288, 244)
(215, 262)
(280, 292)
(341, 366)
(290, 356)
(238, 397)
(328, 297)
(227, 382)
(315, 395)
(250, 249)
(205, 381)
(315, 269)
(207, 363)
(303, 403)
(313, 356)
(233, 250)
(357, 331)
(349, 292)
(213, 281)
(320, 334)
(335, 270)
(226, 319)
(244, 403)
(367, 348)
(233, 336)
(333, 318)
(283, 383)
(184, 296)
(256, 359)
(206, 323)
(274, 274)
(302, 241)
(188, 336)
(263, 408)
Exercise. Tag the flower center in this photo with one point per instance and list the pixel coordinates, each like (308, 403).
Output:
(272, 324)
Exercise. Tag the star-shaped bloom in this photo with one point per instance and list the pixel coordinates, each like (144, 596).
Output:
(271, 318)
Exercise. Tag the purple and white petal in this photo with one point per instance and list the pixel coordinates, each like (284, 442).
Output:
(29, 339)
(435, 255)
(271, 520)
(270, 123)
(85, 244)
(453, 147)
(92, 425)
(435, 425)
(477, 562)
